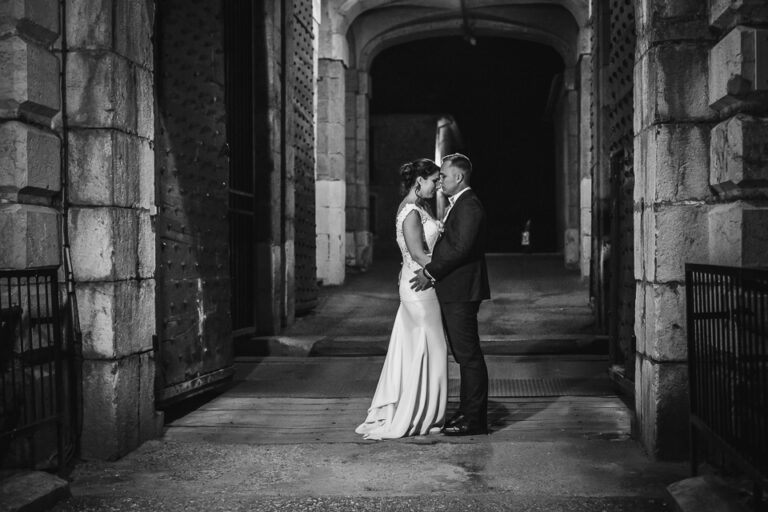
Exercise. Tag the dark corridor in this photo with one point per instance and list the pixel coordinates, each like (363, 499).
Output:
(498, 92)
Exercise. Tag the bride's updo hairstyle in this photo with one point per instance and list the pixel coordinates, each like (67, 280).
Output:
(421, 168)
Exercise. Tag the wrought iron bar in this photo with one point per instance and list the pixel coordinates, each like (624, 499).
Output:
(727, 311)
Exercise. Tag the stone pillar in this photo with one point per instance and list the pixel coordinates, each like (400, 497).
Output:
(585, 164)
(672, 202)
(359, 250)
(110, 99)
(30, 162)
(570, 170)
(331, 172)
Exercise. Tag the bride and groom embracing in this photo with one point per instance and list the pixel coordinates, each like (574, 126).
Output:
(442, 282)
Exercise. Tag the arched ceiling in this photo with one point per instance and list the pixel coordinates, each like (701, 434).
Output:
(357, 30)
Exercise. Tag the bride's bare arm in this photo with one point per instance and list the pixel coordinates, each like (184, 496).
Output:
(413, 232)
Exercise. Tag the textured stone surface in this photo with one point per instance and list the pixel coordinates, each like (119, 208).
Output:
(331, 121)
(572, 248)
(660, 327)
(671, 84)
(706, 493)
(104, 243)
(661, 407)
(34, 19)
(675, 160)
(101, 91)
(29, 159)
(133, 30)
(150, 420)
(739, 156)
(667, 237)
(738, 66)
(146, 246)
(738, 235)
(30, 87)
(30, 236)
(107, 167)
(330, 218)
(117, 318)
(727, 13)
(89, 24)
(145, 103)
(110, 407)
(32, 491)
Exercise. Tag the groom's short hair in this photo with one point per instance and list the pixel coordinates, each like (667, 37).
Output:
(459, 161)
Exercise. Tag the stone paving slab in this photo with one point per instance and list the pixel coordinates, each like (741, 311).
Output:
(541, 468)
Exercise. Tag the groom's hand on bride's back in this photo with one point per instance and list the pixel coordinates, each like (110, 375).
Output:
(420, 281)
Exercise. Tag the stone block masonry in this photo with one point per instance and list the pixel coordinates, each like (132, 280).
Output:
(331, 173)
(30, 159)
(672, 200)
(700, 194)
(110, 104)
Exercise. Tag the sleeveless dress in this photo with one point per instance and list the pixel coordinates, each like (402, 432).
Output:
(412, 392)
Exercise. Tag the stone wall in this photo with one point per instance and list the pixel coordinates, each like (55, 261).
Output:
(110, 106)
(359, 242)
(109, 97)
(700, 156)
(30, 184)
(30, 160)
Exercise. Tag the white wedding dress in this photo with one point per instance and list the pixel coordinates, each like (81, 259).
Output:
(412, 392)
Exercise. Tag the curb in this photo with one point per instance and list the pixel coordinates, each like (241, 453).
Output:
(32, 491)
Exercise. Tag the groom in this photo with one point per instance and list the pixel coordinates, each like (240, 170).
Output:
(460, 277)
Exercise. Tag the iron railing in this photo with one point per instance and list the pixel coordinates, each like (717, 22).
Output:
(31, 374)
(727, 321)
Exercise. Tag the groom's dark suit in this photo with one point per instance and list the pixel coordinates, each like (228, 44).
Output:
(459, 269)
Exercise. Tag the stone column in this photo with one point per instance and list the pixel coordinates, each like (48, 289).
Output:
(331, 172)
(358, 235)
(585, 164)
(30, 161)
(110, 99)
(569, 154)
(672, 202)
(738, 90)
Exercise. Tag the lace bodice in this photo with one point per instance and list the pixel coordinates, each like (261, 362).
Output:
(431, 232)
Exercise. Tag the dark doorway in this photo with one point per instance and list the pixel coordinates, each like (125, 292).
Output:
(497, 92)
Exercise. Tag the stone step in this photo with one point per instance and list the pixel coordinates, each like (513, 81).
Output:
(31, 491)
(376, 345)
(705, 494)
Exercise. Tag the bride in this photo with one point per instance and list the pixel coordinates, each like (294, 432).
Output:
(412, 392)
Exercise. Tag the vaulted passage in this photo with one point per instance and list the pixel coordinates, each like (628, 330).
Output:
(500, 94)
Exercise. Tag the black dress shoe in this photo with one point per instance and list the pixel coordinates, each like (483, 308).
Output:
(456, 418)
(463, 428)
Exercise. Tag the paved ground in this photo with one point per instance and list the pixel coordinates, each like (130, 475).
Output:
(531, 296)
(282, 437)
(255, 448)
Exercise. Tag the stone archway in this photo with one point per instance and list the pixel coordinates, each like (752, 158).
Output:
(354, 32)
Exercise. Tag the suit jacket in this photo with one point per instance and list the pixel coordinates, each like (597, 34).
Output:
(458, 259)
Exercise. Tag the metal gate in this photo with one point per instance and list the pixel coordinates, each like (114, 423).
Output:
(32, 386)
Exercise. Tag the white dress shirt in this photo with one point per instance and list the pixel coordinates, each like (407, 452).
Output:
(451, 201)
